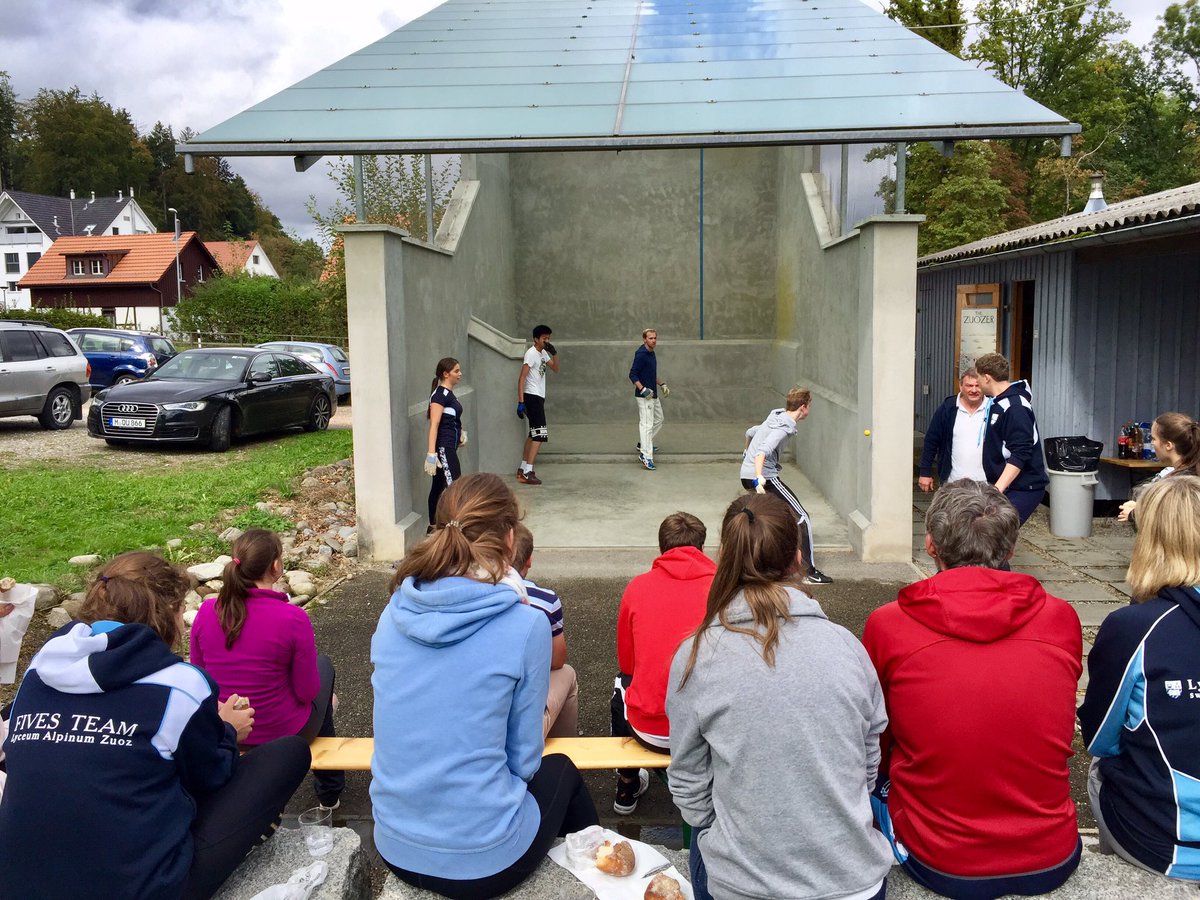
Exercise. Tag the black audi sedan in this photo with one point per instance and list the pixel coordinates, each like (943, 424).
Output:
(210, 396)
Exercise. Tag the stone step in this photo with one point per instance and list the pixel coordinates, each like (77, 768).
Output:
(276, 860)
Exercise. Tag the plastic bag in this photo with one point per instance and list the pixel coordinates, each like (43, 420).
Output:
(1073, 454)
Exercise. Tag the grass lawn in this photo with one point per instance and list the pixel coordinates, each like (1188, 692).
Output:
(56, 509)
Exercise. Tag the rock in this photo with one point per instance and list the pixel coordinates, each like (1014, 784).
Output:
(231, 534)
(87, 559)
(329, 507)
(285, 511)
(47, 596)
(216, 584)
(317, 564)
(223, 559)
(346, 532)
(199, 526)
(262, 506)
(274, 862)
(206, 590)
(207, 571)
(79, 595)
(72, 607)
(310, 482)
(350, 548)
(175, 543)
(281, 585)
(331, 541)
(57, 618)
(192, 600)
(190, 616)
(302, 525)
(325, 551)
(298, 599)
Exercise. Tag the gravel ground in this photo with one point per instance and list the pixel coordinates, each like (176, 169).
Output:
(22, 438)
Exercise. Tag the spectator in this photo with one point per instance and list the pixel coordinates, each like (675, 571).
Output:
(979, 668)
(562, 700)
(955, 436)
(116, 740)
(464, 802)
(658, 610)
(1012, 447)
(1176, 441)
(1138, 717)
(257, 645)
(775, 722)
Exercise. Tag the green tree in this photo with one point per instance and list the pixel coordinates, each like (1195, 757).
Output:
(9, 146)
(938, 21)
(249, 310)
(82, 143)
(962, 198)
(1178, 38)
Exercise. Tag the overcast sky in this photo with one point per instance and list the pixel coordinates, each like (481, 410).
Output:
(195, 64)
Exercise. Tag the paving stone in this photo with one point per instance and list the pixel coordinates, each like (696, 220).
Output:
(1079, 558)
(1045, 539)
(1125, 588)
(276, 860)
(1111, 574)
(1112, 541)
(1027, 558)
(1081, 590)
(1092, 613)
(1046, 572)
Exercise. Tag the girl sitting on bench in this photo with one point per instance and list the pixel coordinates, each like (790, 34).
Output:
(775, 721)
(464, 802)
(116, 742)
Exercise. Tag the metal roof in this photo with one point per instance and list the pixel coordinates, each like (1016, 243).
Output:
(61, 216)
(480, 75)
(1161, 207)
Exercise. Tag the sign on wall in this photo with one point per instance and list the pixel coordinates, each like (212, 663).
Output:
(977, 325)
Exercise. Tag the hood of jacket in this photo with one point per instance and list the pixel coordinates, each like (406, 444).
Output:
(1188, 599)
(1016, 389)
(974, 603)
(685, 564)
(93, 659)
(780, 419)
(799, 604)
(447, 610)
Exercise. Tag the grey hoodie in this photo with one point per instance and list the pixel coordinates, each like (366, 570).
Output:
(767, 439)
(777, 763)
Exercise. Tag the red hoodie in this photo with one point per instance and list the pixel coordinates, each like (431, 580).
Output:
(658, 610)
(979, 669)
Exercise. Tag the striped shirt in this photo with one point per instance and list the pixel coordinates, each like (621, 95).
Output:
(547, 601)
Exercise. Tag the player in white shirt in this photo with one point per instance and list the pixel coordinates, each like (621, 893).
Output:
(531, 399)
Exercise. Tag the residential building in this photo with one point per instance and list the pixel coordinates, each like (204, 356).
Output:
(242, 256)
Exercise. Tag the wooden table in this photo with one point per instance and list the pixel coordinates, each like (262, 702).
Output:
(1138, 470)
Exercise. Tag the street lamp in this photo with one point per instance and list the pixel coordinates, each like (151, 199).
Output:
(178, 274)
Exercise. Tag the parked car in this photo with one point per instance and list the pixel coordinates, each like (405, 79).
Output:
(118, 356)
(326, 357)
(42, 374)
(212, 395)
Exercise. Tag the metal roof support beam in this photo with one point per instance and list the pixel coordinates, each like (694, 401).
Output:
(360, 204)
(844, 190)
(304, 163)
(901, 173)
(1064, 149)
(947, 149)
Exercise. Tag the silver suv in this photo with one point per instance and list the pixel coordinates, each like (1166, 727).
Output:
(42, 373)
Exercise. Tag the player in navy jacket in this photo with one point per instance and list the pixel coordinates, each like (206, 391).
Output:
(112, 733)
(1012, 447)
(1140, 717)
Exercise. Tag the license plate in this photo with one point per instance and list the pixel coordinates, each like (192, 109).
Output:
(126, 423)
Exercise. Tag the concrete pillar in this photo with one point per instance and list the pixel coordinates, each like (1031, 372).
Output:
(382, 460)
(880, 526)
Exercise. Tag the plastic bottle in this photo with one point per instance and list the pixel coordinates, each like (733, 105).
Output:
(1123, 442)
(1147, 444)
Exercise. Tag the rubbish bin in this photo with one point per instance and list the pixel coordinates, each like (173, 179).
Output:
(1072, 464)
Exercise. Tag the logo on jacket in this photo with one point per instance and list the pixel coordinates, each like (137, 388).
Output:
(1174, 689)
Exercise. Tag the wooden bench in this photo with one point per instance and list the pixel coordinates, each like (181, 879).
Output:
(354, 754)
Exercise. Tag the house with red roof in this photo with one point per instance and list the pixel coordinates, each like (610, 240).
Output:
(128, 278)
(247, 256)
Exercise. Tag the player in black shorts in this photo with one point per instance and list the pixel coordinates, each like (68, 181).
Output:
(531, 399)
(446, 433)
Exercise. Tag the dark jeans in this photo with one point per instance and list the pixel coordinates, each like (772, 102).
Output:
(240, 815)
(330, 782)
(1025, 502)
(446, 475)
(699, 873)
(620, 725)
(565, 805)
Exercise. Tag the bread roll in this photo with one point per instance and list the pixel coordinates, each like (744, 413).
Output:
(616, 859)
(664, 887)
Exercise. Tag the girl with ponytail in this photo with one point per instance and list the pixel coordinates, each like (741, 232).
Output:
(775, 721)
(464, 802)
(446, 432)
(111, 728)
(257, 645)
(1176, 440)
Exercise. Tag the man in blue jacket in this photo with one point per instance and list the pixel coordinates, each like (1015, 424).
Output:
(647, 387)
(1012, 447)
(955, 436)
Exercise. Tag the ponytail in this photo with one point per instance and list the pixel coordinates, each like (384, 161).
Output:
(1183, 432)
(759, 542)
(445, 365)
(138, 588)
(254, 553)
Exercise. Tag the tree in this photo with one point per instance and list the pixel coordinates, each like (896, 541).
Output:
(77, 142)
(1178, 38)
(9, 146)
(938, 21)
(248, 309)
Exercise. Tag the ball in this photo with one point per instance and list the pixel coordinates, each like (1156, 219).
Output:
(866, 432)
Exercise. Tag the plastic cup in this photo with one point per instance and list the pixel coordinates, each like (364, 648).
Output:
(316, 824)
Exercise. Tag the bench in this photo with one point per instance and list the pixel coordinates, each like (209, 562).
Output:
(354, 754)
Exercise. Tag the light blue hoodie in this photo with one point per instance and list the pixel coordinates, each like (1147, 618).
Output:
(461, 673)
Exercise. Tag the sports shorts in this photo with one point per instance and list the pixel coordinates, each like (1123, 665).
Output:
(535, 412)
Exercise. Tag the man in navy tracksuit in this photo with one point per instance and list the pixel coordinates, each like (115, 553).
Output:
(1012, 447)
(955, 436)
(647, 387)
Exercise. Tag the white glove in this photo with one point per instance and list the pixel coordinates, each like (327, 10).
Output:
(462, 438)
(431, 464)
(664, 391)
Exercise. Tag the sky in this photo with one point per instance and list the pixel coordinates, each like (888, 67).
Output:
(198, 63)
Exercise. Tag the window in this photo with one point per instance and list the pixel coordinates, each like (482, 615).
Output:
(12, 286)
(97, 266)
(200, 273)
(77, 267)
(22, 346)
(31, 258)
(256, 259)
(289, 365)
(117, 230)
(263, 365)
(56, 344)
(12, 263)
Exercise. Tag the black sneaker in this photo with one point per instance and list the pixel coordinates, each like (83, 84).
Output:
(816, 576)
(628, 792)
